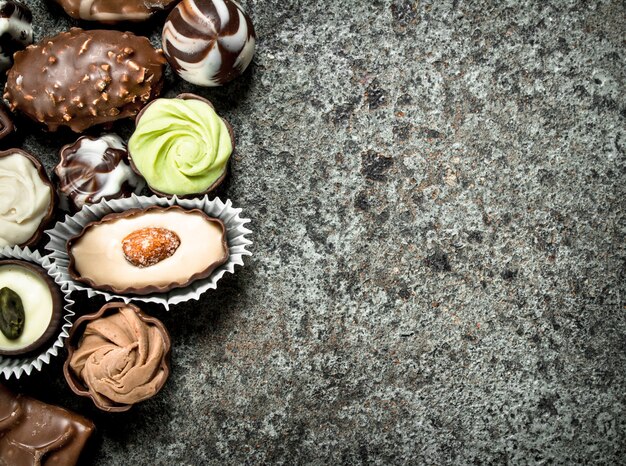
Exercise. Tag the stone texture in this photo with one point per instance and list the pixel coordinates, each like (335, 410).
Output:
(437, 195)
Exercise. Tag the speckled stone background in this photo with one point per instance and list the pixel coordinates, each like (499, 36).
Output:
(438, 205)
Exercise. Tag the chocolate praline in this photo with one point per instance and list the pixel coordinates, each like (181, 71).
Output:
(114, 11)
(103, 257)
(8, 209)
(80, 79)
(200, 139)
(37, 433)
(208, 42)
(76, 337)
(55, 312)
(6, 123)
(16, 30)
(95, 168)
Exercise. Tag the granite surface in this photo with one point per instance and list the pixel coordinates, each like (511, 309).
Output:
(438, 205)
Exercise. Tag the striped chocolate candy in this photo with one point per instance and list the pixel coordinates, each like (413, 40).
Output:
(208, 42)
(16, 31)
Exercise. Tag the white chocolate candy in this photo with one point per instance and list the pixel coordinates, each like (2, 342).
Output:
(98, 254)
(25, 199)
(36, 299)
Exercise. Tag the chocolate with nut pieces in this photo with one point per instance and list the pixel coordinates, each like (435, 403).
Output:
(80, 79)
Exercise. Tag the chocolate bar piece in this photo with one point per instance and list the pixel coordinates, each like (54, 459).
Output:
(36, 433)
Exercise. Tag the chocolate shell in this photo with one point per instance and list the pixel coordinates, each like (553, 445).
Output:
(6, 123)
(216, 183)
(80, 79)
(100, 254)
(45, 180)
(57, 308)
(73, 343)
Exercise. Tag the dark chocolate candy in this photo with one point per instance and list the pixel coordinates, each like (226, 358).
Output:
(16, 31)
(36, 433)
(113, 11)
(93, 169)
(82, 78)
(208, 42)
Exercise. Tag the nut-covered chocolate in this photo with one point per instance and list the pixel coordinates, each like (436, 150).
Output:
(208, 42)
(82, 78)
(93, 169)
(16, 30)
(113, 11)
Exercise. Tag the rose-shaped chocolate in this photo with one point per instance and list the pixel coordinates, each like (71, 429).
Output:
(181, 146)
(121, 357)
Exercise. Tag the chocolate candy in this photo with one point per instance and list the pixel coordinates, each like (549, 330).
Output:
(27, 287)
(16, 31)
(153, 250)
(6, 123)
(118, 356)
(26, 198)
(93, 169)
(208, 42)
(113, 11)
(82, 78)
(36, 433)
(181, 146)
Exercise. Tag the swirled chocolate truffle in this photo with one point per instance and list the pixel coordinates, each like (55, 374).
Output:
(82, 78)
(208, 42)
(16, 30)
(181, 146)
(119, 357)
(26, 198)
(113, 11)
(93, 169)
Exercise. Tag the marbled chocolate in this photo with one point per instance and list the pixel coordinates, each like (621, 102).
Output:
(208, 42)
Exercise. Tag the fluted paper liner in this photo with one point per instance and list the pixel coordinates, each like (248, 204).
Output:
(18, 365)
(73, 225)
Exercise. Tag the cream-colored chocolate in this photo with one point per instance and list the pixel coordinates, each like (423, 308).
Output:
(98, 254)
(36, 299)
(24, 199)
(119, 358)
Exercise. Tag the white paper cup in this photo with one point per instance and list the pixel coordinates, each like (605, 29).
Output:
(18, 365)
(72, 226)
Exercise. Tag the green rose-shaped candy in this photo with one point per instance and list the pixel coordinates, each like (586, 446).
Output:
(181, 146)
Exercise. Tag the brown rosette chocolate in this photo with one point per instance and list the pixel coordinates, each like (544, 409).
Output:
(114, 11)
(30, 307)
(36, 433)
(82, 78)
(118, 356)
(27, 198)
(144, 251)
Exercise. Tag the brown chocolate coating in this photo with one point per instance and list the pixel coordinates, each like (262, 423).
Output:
(6, 123)
(113, 11)
(36, 433)
(133, 289)
(44, 178)
(74, 340)
(57, 308)
(82, 78)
